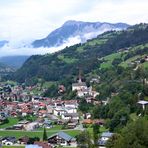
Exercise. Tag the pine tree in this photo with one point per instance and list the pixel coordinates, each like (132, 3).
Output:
(44, 135)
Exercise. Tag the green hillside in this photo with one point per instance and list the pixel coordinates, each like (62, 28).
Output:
(65, 63)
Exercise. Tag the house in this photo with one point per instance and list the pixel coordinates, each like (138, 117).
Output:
(104, 138)
(71, 103)
(87, 121)
(70, 116)
(71, 125)
(63, 139)
(42, 144)
(79, 86)
(47, 123)
(58, 111)
(70, 110)
(23, 140)
(143, 103)
(8, 140)
(31, 126)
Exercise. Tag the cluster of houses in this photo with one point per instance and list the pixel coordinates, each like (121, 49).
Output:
(86, 92)
(60, 138)
(16, 102)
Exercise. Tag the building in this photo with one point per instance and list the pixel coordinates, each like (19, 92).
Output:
(63, 139)
(104, 138)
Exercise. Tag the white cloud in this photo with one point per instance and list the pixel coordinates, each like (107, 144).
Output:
(10, 49)
(26, 20)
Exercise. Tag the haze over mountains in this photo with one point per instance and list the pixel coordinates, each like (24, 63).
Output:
(77, 30)
(70, 33)
(13, 61)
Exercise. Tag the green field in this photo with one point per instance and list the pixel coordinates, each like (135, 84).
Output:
(39, 134)
(13, 146)
(101, 129)
(109, 59)
(67, 60)
(12, 121)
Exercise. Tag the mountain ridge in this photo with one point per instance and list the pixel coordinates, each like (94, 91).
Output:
(65, 63)
(72, 28)
(13, 61)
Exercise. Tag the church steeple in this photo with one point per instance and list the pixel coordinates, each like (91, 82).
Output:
(80, 79)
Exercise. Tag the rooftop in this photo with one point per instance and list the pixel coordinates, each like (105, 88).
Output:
(142, 102)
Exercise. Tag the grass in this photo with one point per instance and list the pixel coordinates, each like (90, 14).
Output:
(13, 146)
(12, 121)
(133, 116)
(90, 130)
(109, 59)
(80, 49)
(55, 127)
(146, 98)
(145, 64)
(39, 134)
(96, 42)
(67, 60)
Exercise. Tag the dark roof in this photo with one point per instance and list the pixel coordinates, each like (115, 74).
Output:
(65, 136)
(71, 115)
(79, 84)
(106, 134)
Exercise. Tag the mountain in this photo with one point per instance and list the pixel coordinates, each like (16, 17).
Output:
(2, 43)
(14, 61)
(82, 31)
(87, 56)
(4, 69)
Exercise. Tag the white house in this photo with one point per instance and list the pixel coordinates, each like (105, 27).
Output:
(70, 110)
(58, 111)
(104, 138)
(79, 86)
(70, 116)
(63, 139)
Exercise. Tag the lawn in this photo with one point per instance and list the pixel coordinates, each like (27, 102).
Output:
(55, 127)
(133, 116)
(12, 121)
(39, 134)
(109, 59)
(13, 146)
(67, 60)
(90, 130)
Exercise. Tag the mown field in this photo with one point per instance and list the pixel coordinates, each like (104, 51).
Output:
(39, 134)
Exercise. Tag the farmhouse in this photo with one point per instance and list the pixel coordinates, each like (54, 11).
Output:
(104, 138)
(62, 139)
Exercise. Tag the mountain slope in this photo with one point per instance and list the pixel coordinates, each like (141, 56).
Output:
(77, 29)
(4, 69)
(87, 56)
(14, 61)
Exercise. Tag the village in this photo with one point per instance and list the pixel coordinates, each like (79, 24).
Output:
(34, 113)
(59, 117)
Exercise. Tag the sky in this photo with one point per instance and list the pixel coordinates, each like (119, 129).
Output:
(22, 21)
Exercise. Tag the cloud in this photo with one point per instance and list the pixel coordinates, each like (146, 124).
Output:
(23, 21)
(32, 19)
(10, 49)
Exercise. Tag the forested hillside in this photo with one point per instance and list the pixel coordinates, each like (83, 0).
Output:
(53, 67)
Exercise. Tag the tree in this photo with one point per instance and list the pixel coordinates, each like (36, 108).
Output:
(44, 135)
(96, 131)
(134, 135)
(32, 140)
(84, 140)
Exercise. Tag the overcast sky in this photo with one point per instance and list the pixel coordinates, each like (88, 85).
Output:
(24, 20)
